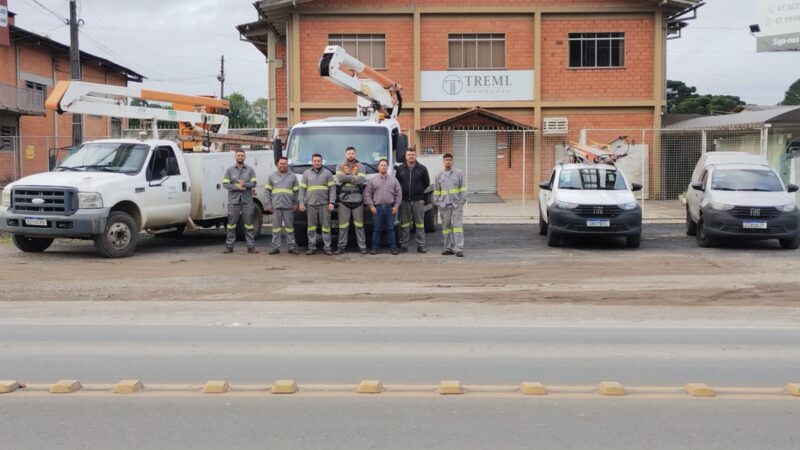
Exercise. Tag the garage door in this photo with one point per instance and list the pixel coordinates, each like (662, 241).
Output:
(475, 153)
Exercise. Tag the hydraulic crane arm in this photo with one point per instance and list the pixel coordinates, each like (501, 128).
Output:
(381, 93)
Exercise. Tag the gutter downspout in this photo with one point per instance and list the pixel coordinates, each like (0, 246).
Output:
(18, 150)
(287, 66)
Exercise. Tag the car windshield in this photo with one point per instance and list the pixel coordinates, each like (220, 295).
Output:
(591, 179)
(105, 157)
(746, 180)
(371, 144)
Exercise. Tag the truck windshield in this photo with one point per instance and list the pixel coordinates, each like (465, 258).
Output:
(371, 144)
(591, 179)
(745, 180)
(106, 157)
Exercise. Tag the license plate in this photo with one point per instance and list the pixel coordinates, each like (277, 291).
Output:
(35, 221)
(754, 224)
(598, 223)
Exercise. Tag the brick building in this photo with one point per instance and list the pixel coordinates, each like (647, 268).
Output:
(30, 66)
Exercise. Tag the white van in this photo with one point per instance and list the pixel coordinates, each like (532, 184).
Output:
(737, 194)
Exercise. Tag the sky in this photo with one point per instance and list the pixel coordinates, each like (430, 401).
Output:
(177, 45)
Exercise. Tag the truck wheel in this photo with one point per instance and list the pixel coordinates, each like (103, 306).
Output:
(431, 220)
(301, 235)
(703, 239)
(553, 239)
(790, 244)
(634, 241)
(542, 224)
(31, 244)
(691, 225)
(258, 221)
(119, 238)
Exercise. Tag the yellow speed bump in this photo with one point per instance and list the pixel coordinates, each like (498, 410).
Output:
(284, 387)
(791, 389)
(532, 388)
(128, 387)
(450, 387)
(216, 387)
(610, 388)
(699, 390)
(7, 386)
(369, 387)
(66, 387)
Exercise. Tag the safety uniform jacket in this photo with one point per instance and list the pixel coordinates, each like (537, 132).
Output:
(413, 182)
(230, 182)
(449, 189)
(282, 190)
(317, 187)
(352, 178)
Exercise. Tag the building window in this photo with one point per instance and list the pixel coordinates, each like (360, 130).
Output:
(37, 92)
(7, 137)
(596, 49)
(477, 51)
(367, 48)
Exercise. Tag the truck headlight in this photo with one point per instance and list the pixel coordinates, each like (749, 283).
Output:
(565, 205)
(6, 201)
(628, 206)
(789, 207)
(89, 200)
(721, 206)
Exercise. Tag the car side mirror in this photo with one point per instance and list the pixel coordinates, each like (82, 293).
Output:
(545, 185)
(698, 186)
(792, 188)
(402, 146)
(636, 187)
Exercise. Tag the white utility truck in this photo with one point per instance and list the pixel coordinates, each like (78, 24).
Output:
(111, 189)
(374, 132)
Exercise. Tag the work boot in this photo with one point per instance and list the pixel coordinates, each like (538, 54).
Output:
(311, 252)
(421, 250)
(329, 252)
(252, 250)
(339, 251)
(394, 251)
(448, 252)
(228, 249)
(374, 252)
(363, 251)
(403, 249)
(460, 254)
(293, 251)
(275, 251)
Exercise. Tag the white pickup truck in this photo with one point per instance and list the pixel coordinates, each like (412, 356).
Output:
(110, 190)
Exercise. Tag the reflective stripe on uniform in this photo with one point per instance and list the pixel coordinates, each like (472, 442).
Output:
(326, 230)
(318, 188)
(446, 231)
(268, 186)
(419, 225)
(230, 226)
(226, 180)
(405, 225)
(249, 227)
(438, 192)
(296, 188)
(331, 183)
(282, 191)
(303, 185)
(276, 230)
(289, 230)
(253, 179)
(358, 224)
(343, 225)
(458, 230)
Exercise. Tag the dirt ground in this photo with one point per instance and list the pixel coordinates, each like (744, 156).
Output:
(504, 265)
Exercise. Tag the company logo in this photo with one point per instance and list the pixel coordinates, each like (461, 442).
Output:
(452, 85)
(598, 210)
(38, 201)
(755, 212)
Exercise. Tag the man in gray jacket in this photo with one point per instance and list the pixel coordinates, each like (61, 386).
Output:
(450, 195)
(352, 177)
(317, 199)
(240, 180)
(282, 189)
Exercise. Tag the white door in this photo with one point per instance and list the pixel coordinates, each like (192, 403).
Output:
(168, 200)
(475, 153)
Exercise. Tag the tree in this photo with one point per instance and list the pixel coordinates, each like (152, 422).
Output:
(792, 96)
(136, 123)
(260, 111)
(241, 114)
(684, 99)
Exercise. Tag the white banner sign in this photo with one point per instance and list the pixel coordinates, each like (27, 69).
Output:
(779, 21)
(476, 85)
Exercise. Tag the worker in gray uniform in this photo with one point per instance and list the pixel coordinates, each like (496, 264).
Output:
(282, 190)
(240, 181)
(351, 177)
(450, 195)
(317, 200)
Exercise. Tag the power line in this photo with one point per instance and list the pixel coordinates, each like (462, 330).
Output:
(57, 15)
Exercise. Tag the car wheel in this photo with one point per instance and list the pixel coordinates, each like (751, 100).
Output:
(790, 244)
(553, 239)
(120, 237)
(542, 224)
(430, 219)
(703, 239)
(691, 225)
(31, 244)
(634, 241)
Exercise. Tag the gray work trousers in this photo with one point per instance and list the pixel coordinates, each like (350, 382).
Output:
(412, 215)
(243, 212)
(318, 216)
(452, 227)
(344, 225)
(282, 219)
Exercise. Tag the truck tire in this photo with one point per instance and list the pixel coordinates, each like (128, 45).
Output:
(691, 225)
(120, 237)
(553, 239)
(634, 241)
(790, 244)
(703, 239)
(31, 244)
(542, 224)
(258, 221)
(431, 220)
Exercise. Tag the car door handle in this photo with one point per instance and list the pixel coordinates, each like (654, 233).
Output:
(184, 186)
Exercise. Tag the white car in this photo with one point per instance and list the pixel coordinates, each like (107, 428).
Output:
(589, 200)
(738, 195)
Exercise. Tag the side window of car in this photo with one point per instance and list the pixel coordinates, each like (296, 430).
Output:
(704, 179)
(552, 179)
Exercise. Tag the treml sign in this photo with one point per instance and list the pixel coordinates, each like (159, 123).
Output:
(476, 85)
(779, 21)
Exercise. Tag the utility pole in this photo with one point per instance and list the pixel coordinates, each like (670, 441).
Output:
(75, 64)
(221, 77)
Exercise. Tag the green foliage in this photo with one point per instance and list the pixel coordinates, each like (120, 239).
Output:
(241, 114)
(792, 96)
(685, 100)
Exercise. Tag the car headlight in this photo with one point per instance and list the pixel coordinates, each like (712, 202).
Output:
(89, 200)
(565, 205)
(629, 206)
(721, 206)
(789, 207)
(6, 201)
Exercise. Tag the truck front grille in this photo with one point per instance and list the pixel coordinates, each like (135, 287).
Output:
(598, 210)
(755, 212)
(44, 200)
